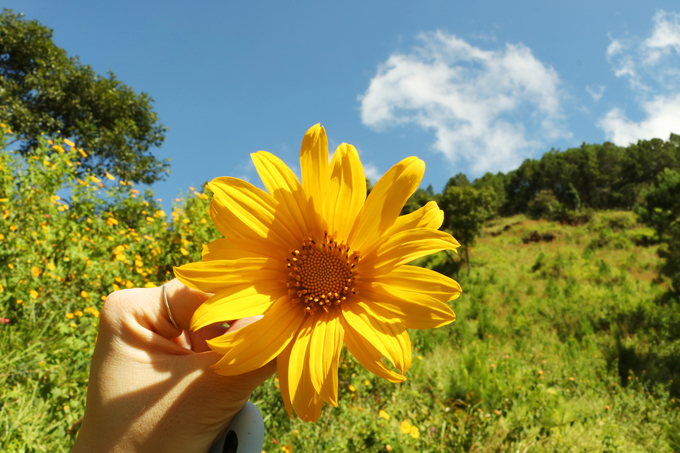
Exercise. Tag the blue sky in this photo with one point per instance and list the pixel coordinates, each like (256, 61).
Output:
(466, 86)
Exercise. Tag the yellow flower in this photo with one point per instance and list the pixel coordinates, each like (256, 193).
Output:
(35, 271)
(405, 427)
(84, 294)
(325, 265)
(414, 432)
(110, 176)
(352, 388)
(183, 251)
(69, 315)
(34, 294)
(384, 415)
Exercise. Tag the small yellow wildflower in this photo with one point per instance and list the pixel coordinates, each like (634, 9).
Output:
(84, 294)
(110, 176)
(116, 287)
(10, 265)
(2, 288)
(95, 179)
(19, 301)
(2, 236)
(34, 294)
(69, 315)
(149, 285)
(183, 251)
(35, 271)
(82, 153)
(78, 313)
(352, 388)
(384, 414)
(414, 432)
(13, 228)
(74, 324)
(405, 427)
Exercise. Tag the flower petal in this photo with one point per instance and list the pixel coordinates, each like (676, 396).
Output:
(377, 326)
(249, 212)
(239, 301)
(385, 201)
(403, 247)
(232, 249)
(283, 185)
(282, 366)
(416, 310)
(216, 275)
(325, 347)
(305, 399)
(258, 343)
(346, 192)
(429, 216)
(367, 354)
(417, 279)
(314, 166)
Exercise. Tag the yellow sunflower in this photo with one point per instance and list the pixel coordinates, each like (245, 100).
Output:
(325, 265)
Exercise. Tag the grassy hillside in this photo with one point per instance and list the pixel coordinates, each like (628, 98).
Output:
(533, 362)
(558, 346)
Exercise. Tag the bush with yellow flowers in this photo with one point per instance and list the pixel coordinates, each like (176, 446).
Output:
(67, 240)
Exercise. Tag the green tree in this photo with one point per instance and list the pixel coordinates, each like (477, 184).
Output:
(419, 199)
(661, 211)
(465, 211)
(43, 90)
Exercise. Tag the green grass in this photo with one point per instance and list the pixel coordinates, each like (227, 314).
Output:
(531, 364)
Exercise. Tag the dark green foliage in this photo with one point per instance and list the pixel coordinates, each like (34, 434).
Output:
(496, 182)
(465, 211)
(44, 91)
(419, 199)
(661, 211)
(594, 176)
(460, 180)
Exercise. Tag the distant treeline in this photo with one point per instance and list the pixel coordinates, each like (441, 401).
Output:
(596, 176)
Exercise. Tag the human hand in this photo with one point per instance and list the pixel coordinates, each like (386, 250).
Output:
(151, 388)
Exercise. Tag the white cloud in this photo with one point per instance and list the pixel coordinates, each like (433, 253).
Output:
(614, 48)
(665, 37)
(663, 117)
(372, 172)
(479, 104)
(596, 94)
(651, 67)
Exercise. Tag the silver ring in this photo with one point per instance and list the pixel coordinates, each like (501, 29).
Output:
(167, 307)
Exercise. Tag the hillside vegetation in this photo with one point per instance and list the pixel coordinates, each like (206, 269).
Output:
(565, 339)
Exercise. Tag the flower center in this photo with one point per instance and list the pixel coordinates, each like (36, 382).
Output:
(322, 273)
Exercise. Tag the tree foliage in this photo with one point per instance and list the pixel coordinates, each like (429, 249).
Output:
(661, 211)
(44, 91)
(465, 211)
